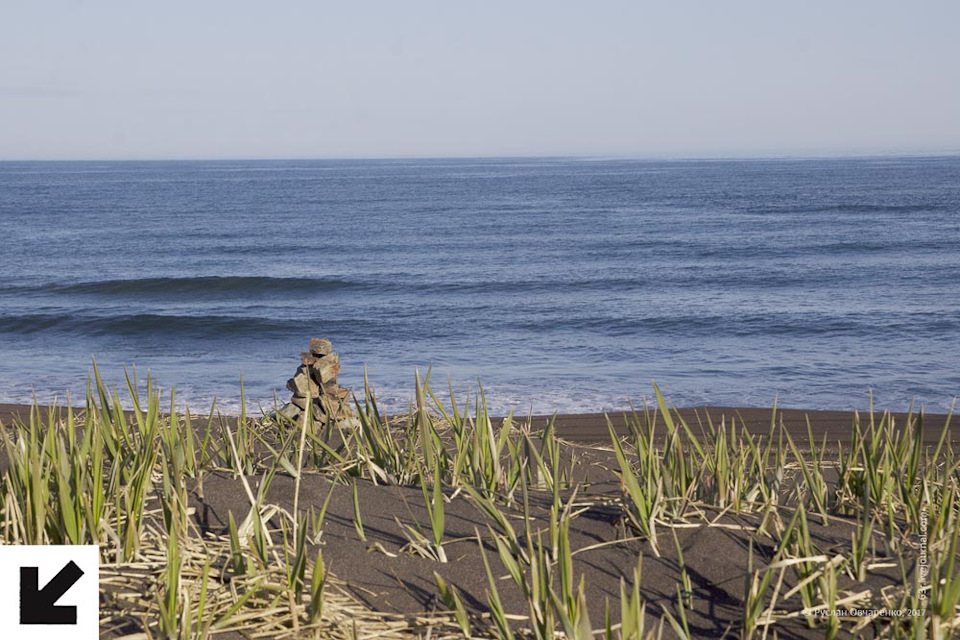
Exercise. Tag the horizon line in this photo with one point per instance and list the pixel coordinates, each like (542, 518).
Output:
(819, 155)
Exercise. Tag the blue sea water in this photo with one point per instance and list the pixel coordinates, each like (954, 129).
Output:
(562, 284)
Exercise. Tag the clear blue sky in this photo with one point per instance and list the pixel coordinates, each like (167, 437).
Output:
(216, 79)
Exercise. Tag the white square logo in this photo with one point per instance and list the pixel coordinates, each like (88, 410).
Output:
(49, 592)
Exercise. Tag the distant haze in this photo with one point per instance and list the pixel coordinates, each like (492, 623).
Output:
(243, 79)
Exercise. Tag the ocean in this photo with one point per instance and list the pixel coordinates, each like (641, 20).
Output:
(559, 284)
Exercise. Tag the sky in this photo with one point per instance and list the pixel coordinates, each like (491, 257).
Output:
(315, 79)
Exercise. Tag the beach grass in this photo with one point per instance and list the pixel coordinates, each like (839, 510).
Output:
(129, 476)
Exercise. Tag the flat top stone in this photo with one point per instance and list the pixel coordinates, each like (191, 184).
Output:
(320, 346)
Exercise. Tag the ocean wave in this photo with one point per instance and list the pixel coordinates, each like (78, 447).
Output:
(753, 325)
(195, 285)
(261, 285)
(527, 285)
(787, 208)
(154, 325)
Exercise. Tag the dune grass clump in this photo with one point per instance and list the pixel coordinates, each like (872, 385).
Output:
(129, 481)
(121, 479)
(674, 474)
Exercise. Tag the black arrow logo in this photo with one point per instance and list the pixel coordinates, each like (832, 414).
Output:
(39, 606)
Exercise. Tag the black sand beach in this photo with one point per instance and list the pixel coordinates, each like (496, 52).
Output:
(710, 547)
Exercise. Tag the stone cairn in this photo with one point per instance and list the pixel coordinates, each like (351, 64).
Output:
(316, 378)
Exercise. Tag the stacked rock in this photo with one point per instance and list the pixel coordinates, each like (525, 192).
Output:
(316, 379)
